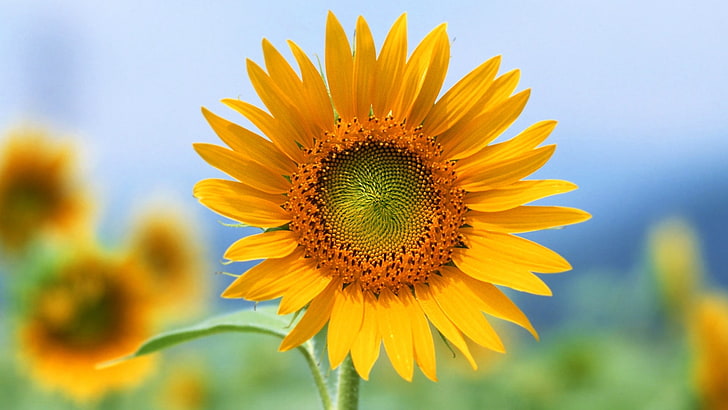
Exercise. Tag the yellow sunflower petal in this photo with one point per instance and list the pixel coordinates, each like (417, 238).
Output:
(316, 96)
(515, 250)
(224, 187)
(424, 347)
(339, 68)
(237, 166)
(467, 319)
(424, 75)
(461, 98)
(429, 51)
(526, 218)
(287, 113)
(283, 75)
(269, 126)
(491, 269)
(273, 244)
(487, 298)
(484, 128)
(495, 94)
(313, 320)
(527, 140)
(391, 63)
(236, 202)
(443, 324)
(501, 88)
(345, 322)
(516, 194)
(305, 286)
(266, 280)
(396, 330)
(251, 145)
(281, 72)
(505, 172)
(366, 346)
(365, 65)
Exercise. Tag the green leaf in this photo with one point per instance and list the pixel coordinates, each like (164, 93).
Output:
(258, 321)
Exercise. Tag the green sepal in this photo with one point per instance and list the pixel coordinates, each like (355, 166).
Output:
(286, 227)
(235, 225)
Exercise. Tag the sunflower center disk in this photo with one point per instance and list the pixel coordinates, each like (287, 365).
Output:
(79, 311)
(375, 203)
(376, 198)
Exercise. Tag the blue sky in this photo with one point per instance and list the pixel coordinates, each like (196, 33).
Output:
(639, 89)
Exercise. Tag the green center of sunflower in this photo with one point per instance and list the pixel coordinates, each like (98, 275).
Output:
(376, 197)
(375, 203)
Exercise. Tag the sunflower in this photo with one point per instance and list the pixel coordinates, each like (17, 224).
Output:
(185, 386)
(163, 243)
(677, 263)
(88, 310)
(709, 326)
(37, 189)
(384, 208)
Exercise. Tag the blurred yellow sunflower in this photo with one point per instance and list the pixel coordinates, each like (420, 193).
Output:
(165, 245)
(383, 206)
(710, 340)
(37, 189)
(186, 386)
(677, 263)
(91, 310)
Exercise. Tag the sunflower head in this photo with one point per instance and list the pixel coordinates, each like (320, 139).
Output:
(37, 189)
(186, 386)
(89, 310)
(675, 252)
(709, 331)
(165, 246)
(386, 207)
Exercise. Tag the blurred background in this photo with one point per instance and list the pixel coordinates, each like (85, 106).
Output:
(110, 94)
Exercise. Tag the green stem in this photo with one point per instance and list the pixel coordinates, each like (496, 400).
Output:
(318, 378)
(348, 388)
